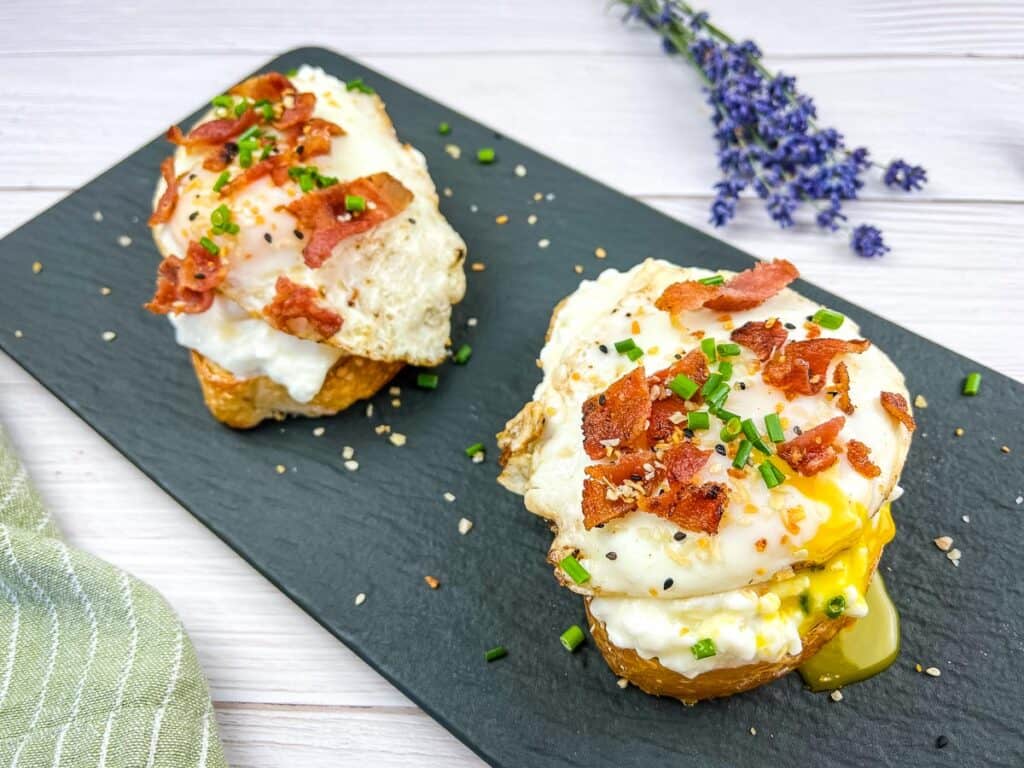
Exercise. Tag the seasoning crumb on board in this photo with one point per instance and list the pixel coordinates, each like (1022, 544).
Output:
(108, 335)
(478, 266)
(933, 672)
(124, 241)
(920, 402)
(600, 253)
(531, 219)
(465, 525)
(944, 543)
(37, 267)
(318, 432)
(360, 598)
(836, 696)
(104, 290)
(397, 439)
(280, 469)
(449, 496)
(454, 151)
(97, 215)
(543, 243)
(351, 465)
(432, 582)
(520, 170)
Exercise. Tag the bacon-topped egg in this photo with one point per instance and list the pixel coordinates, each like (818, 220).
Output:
(294, 203)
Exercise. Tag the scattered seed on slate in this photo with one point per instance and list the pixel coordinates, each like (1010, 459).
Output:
(941, 742)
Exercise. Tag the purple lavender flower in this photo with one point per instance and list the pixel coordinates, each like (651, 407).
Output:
(767, 132)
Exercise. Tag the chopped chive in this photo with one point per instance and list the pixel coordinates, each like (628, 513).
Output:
(292, 72)
(357, 84)
(972, 384)
(774, 427)
(732, 429)
(497, 652)
(209, 245)
(326, 181)
(725, 370)
(223, 100)
(571, 638)
(221, 181)
(265, 108)
(244, 157)
(719, 396)
(625, 345)
(713, 280)
(768, 474)
(704, 648)
(750, 430)
(805, 602)
(444, 129)
(723, 414)
(698, 420)
(729, 349)
(266, 151)
(250, 133)
(462, 355)
(683, 386)
(826, 318)
(241, 107)
(486, 156)
(742, 454)
(635, 354)
(427, 380)
(835, 607)
(355, 203)
(576, 572)
(220, 215)
(474, 449)
(708, 348)
(711, 384)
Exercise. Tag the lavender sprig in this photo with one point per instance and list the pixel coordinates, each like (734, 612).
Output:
(767, 132)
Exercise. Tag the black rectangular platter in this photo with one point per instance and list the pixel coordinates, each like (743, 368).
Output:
(322, 534)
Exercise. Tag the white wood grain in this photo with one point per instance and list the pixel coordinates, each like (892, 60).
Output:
(85, 83)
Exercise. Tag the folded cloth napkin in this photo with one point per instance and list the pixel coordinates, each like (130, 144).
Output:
(95, 668)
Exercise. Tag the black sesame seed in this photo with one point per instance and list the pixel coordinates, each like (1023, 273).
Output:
(797, 430)
(677, 356)
(941, 742)
(636, 478)
(720, 449)
(668, 583)
(298, 234)
(603, 348)
(601, 399)
(679, 536)
(810, 318)
(629, 314)
(790, 326)
(191, 177)
(300, 149)
(412, 221)
(688, 432)
(611, 555)
(193, 216)
(267, 237)
(742, 385)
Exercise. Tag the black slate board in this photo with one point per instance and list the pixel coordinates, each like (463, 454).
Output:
(322, 534)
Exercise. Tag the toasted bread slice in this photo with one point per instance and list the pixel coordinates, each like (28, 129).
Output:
(244, 403)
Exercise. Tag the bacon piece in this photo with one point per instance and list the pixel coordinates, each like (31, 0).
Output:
(683, 461)
(663, 412)
(811, 452)
(296, 309)
(314, 138)
(752, 287)
(693, 365)
(187, 285)
(693, 507)
(298, 113)
(684, 296)
(169, 199)
(271, 86)
(896, 406)
(799, 368)
(609, 479)
(318, 212)
(857, 453)
(213, 132)
(759, 337)
(619, 413)
(841, 380)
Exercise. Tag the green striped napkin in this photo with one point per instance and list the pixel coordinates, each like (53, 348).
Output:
(95, 668)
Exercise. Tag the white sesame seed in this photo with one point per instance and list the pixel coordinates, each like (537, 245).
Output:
(108, 335)
(1020, 499)
(280, 469)
(478, 457)
(97, 215)
(124, 241)
(600, 253)
(753, 731)
(944, 543)
(37, 267)
(396, 403)
(104, 291)
(318, 432)
(369, 410)
(474, 208)
(622, 682)
(448, 192)
(465, 526)
(397, 439)
(471, 322)
(360, 598)
(954, 556)
(382, 429)
(18, 334)
(920, 402)
(543, 243)
(531, 219)
(453, 150)
(836, 696)
(933, 672)
(348, 452)
(394, 391)
(549, 196)
(520, 171)
(449, 496)
(351, 465)
(966, 518)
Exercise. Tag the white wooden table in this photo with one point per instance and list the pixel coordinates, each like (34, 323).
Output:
(940, 83)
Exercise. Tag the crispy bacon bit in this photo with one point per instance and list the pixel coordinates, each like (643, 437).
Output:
(298, 113)
(213, 132)
(322, 212)
(276, 167)
(857, 453)
(811, 452)
(693, 364)
(187, 285)
(841, 380)
(800, 367)
(314, 138)
(271, 86)
(745, 290)
(693, 507)
(619, 413)
(296, 309)
(606, 495)
(221, 157)
(896, 406)
(169, 199)
(760, 337)
(664, 410)
(664, 421)
(683, 461)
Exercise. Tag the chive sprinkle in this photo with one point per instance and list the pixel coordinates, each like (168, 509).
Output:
(474, 449)
(571, 638)
(723, 414)
(250, 133)
(221, 181)
(698, 420)
(486, 156)
(826, 318)
(774, 427)
(462, 355)
(767, 470)
(497, 652)
(704, 648)
(358, 85)
(240, 108)
(711, 384)
(624, 346)
(732, 429)
(683, 386)
(805, 602)
(223, 100)
(835, 607)
(719, 395)
(292, 72)
(635, 354)
(972, 384)
(742, 454)
(713, 280)
(355, 203)
(725, 370)
(576, 572)
(750, 430)
(729, 349)
(427, 381)
(444, 129)
(708, 348)
(209, 245)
